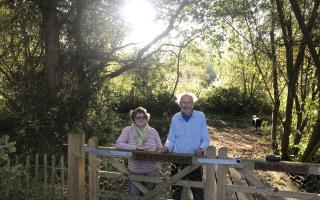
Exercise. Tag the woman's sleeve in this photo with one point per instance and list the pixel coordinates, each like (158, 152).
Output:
(158, 141)
(123, 141)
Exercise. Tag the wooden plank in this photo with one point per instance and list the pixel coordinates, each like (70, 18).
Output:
(108, 174)
(62, 168)
(281, 166)
(53, 168)
(210, 187)
(251, 178)
(157, 180)
(238, 180)
(76, 165)
(92, 168)
(27, 168)
(36, 172)
(162, 157)
(186, 194)
(273, 192)
(221, 175)
(171, 181)
(230, 195)
(252, 181)
(125, 171)
(45, 175)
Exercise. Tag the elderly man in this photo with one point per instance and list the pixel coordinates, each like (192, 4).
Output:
(188, 134)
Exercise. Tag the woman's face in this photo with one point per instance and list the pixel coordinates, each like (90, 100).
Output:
(140, 119)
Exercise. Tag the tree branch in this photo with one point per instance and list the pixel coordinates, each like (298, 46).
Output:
(139, 58)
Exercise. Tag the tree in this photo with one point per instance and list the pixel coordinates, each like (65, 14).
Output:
(64, 56)
(306, 29)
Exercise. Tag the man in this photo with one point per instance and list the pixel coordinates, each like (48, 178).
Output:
(188, 134)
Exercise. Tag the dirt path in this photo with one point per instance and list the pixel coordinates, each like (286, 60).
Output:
(240, 142)
(248, 143)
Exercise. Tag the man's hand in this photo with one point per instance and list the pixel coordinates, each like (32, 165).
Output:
(199, 152)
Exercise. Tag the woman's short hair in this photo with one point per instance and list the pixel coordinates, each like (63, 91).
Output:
(137, 110)
(193, 97)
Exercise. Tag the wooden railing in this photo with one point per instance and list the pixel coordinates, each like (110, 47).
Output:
(215, 182)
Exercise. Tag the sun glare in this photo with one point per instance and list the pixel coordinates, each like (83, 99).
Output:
(140, 16)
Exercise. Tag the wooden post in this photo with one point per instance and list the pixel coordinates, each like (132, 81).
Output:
(36, 172)
(45, 175)
(210, 186)
(62, 175)
(186, 194)
(221, 175)
(27, 168)
(53, 165)
(76, 165)
(7, 195)
(93, 182)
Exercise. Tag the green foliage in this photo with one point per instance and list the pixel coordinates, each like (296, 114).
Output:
(232, 101)
(143, 87)
(7, 173)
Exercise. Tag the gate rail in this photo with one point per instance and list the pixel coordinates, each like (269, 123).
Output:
(215, 172)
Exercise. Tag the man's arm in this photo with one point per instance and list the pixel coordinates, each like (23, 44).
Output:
(168, 146)
(205, 138)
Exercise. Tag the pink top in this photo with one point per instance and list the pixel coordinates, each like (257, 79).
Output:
(153, 142)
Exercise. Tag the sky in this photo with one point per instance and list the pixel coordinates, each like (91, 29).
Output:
(140, 16)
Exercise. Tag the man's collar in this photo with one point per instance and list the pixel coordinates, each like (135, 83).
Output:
(181, 114)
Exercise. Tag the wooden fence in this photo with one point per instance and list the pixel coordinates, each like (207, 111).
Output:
(48, 174)
(216, 182)
(37, 177)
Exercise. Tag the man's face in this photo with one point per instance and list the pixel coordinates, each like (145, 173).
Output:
(186, 104)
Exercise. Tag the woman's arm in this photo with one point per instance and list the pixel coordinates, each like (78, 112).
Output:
(123, 141)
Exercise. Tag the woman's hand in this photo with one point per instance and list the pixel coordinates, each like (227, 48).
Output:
(140, 148)
(165, 149)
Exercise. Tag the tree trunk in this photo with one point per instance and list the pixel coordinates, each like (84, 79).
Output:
(293, 70)
(314, 141)
(313, 144)
(276, 105)
(51, 29)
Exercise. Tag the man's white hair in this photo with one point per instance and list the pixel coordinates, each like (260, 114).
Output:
(190, 94)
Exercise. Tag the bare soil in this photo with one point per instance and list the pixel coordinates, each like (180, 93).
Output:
(248, 143)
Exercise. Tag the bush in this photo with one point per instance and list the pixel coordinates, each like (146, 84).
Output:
(6, 172)
(232, 101)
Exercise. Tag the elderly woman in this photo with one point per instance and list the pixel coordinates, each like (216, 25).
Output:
(140, 136)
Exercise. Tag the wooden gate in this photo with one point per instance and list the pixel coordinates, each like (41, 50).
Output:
(215, 181)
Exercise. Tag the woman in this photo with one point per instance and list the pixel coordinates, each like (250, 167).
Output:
(140, 136)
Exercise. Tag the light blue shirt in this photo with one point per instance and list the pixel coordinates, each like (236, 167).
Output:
(186, 137)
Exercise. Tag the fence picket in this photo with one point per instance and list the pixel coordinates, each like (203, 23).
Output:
(210, 177)
(221, 176)
(62, 173)
(7, 195)
(27, 168)
(45, 175)
(53, 164)
(36, 172)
